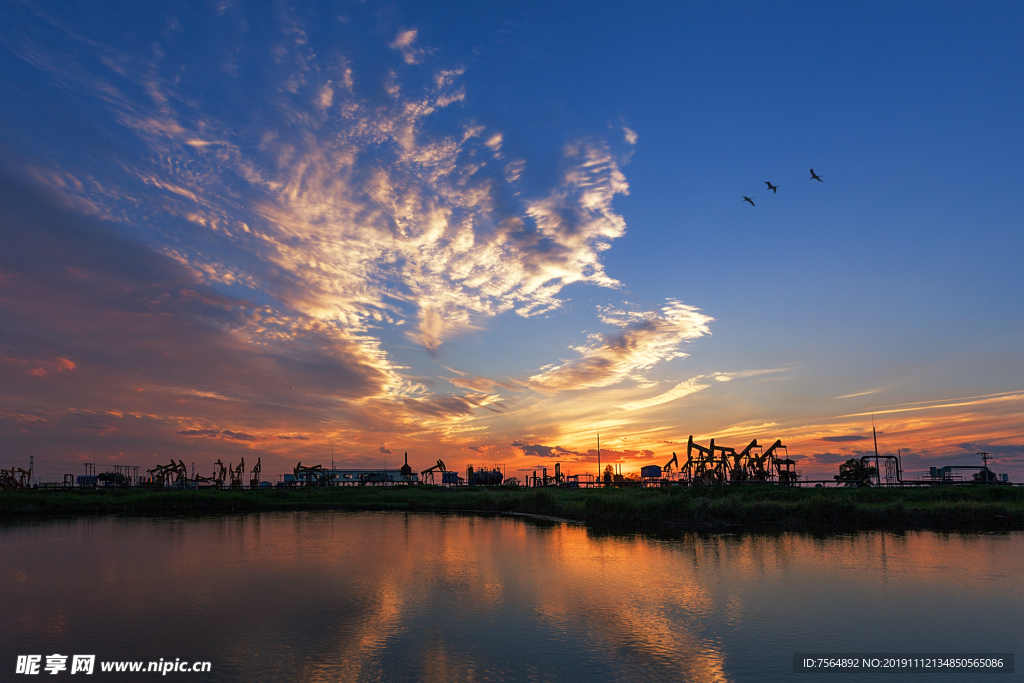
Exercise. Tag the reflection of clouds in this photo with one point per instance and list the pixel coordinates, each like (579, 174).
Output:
(327, 596)
(628, 595)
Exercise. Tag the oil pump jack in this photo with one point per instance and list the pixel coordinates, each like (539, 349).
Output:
(439, 467)
(313, 475)
(740, 470)
(705, 468)
(174, 474)
(760, 466)
(236, 474)
(254, 480)
(667, 469)
(15, 478)
(220, 473)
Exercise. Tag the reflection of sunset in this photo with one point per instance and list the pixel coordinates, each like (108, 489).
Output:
(339, 596)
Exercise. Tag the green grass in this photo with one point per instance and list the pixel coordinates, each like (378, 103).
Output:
(943, 507)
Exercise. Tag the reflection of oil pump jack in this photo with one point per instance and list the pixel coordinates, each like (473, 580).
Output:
(254, 481)
(429, 472)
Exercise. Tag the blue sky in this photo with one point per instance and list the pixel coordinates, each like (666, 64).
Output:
(249, 230)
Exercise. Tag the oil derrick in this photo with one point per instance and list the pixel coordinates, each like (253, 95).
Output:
(254, 481)
(429, 472)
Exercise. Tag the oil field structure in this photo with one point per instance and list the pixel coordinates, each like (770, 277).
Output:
(710, 465)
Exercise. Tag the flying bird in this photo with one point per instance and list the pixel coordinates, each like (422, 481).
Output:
(748, 199)
(815, 176)
(771, 187)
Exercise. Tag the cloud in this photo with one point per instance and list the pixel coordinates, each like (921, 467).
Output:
(862, 393)
(200, 432)
(574, 456)
(535, 449)
(992, 449)
(684, 388)
(1002, 397)
(476, 383)
(42, 368)
(841, 439)
(295, 232)
(831, 458)
(241, 436)
(385, 451)
(403, 42)
(229, 434)
(648, 338)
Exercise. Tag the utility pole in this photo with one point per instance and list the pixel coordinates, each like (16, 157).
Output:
(878, 471)
(985, 459)
(31, 469)
(599, 458)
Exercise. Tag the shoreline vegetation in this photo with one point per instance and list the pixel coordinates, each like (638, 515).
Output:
(698, 507)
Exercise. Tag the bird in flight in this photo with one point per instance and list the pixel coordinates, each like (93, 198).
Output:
(748, 199)
(771, 187)
(815, 176)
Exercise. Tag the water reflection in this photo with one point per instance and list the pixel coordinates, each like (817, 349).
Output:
(386, 596)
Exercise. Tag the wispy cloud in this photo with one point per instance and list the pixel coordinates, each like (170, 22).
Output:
(862, 393)
(343, 209)
(1003, 397)
(684, 388)
(648, 338)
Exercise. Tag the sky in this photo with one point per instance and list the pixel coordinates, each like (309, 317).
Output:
(488, 232)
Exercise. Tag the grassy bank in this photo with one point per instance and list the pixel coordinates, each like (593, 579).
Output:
(951, 507)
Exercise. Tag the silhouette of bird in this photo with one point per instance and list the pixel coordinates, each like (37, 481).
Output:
(815, 176)
(771, 187)
(748, 199)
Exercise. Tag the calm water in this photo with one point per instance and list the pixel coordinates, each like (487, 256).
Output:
(327, 596)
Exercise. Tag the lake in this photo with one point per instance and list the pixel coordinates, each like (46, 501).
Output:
(343, 596)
